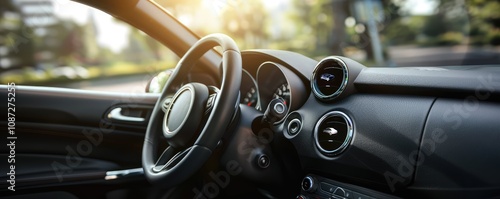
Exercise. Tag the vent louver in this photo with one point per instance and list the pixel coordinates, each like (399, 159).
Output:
(333, 132)
(329, 78)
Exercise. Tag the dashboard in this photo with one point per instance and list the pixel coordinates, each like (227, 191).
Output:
(363, 132)
(266, 79)
(273, 81)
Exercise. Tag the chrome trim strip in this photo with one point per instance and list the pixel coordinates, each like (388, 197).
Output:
(116, 114)
(114, 175)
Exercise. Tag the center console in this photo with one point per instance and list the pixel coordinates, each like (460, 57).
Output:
(316, 187)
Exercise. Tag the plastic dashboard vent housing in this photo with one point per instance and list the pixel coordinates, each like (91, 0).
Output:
(329, 78)
(333, 133)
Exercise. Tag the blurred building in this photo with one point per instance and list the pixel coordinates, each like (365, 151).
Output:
(25, 34)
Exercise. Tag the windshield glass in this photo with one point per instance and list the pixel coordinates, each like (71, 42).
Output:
(374, 32)
(61, 43)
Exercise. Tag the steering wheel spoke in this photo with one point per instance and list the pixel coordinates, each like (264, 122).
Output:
(169, 158)
(214, 91)
(166, 104)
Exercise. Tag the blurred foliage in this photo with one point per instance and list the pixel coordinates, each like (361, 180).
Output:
(159, 82)
(402, 31)
(29, 76)
(248, 24)
(474, 22)
(14, 32)
(485, 21)
(68, 51)
(318, 28)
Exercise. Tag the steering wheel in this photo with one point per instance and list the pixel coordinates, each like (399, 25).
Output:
(193, 120)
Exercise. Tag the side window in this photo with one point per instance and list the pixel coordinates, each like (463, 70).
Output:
(60, 43)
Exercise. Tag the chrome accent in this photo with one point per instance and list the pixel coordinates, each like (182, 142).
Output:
(278, 109)
(342, 87)
(299, 124)
(116, 114)
(311, 183)
(348, 138)
(173, 160)
(185, 88)
(113, 175)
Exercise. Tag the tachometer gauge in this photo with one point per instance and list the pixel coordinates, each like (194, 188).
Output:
(283, 92)
(250, 98)
(249, 91)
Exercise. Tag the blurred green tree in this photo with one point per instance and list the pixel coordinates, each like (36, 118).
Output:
(247, 21)
(484, 21)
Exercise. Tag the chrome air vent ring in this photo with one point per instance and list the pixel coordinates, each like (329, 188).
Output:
(330, 78)
(333, 133)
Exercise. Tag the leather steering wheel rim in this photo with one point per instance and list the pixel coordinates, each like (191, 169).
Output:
(223, 108)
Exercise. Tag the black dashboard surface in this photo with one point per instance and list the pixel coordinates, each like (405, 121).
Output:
(417, 131)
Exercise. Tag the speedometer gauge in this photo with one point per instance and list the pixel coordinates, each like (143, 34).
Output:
(283, 92)
(278, 82)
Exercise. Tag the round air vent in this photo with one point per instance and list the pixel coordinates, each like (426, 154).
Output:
(329, 78)
(333, 132)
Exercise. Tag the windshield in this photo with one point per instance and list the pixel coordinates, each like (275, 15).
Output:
(373, 32)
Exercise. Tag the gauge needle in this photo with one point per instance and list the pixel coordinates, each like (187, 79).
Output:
(249, 104)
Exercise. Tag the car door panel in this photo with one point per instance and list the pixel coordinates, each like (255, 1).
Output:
(63, 136)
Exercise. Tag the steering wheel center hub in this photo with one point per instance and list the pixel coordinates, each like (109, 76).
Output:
(185, 113)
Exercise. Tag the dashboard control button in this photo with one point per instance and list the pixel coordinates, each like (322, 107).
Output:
(308, 184)
(263, 161)
(276, 111)
(279, 108)
(294, 126)
(301, 197)
(348, 194)
(326, 187)
(360, 196)
(339, 192)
